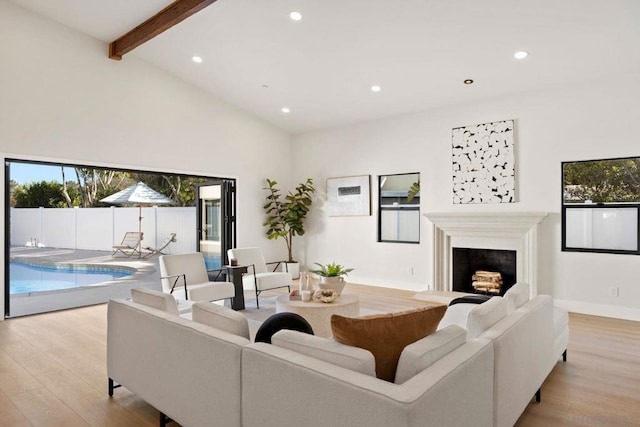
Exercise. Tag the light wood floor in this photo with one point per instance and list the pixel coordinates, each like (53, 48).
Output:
(53, 371)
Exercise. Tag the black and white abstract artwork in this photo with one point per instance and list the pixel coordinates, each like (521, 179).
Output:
(483, 163)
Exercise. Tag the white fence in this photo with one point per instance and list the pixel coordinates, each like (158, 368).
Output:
(101, 228)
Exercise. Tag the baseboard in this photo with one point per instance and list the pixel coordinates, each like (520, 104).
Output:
(614, 311)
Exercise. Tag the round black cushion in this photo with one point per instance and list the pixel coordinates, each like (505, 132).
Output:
(279, 321)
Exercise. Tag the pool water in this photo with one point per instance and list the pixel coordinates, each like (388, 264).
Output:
(213, 262)
(27, 278)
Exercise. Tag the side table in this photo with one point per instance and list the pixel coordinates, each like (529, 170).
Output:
(235, 272)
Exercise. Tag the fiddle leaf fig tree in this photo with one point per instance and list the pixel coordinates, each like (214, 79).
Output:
(286, 215)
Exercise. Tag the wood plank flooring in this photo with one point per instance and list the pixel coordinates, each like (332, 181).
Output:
(53, 371)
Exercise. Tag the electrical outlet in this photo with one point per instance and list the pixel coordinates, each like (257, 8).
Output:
(613, 291)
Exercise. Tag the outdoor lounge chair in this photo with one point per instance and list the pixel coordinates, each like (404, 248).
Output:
(152, 251)
(130, 244)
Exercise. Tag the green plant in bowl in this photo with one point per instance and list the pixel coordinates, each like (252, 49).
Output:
(331, 270)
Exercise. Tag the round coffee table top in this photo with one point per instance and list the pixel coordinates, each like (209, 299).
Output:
(318, 313)
(342, 300)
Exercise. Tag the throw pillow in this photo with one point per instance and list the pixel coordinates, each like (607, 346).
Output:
(352, 358)
(155, 299)
(220, 317)
(386, 335)
(418, 356)
(516, 295)
(485, 316)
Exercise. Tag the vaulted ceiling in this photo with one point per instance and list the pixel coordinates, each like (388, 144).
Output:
(419, 52)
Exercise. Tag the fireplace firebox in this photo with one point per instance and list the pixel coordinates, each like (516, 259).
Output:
(467, 261)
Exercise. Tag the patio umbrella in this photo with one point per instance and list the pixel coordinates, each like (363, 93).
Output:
(138, 195)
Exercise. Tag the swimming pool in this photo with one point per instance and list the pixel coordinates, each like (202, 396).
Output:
(212, 262)
(28, 278)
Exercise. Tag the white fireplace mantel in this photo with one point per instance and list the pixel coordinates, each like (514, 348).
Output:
(495, 230)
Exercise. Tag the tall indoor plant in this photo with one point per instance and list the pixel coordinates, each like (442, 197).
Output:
(286, 214)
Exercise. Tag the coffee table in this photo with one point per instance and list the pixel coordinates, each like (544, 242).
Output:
(317, 313)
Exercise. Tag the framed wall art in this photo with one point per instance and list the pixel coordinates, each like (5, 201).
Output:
(483, 163)
(349, 196)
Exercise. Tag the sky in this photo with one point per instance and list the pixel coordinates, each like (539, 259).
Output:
(24, 173)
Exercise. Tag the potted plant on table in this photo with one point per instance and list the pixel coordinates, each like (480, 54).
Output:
(286, 216)
(331, 276)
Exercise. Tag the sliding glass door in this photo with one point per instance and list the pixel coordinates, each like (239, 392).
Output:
(216, 221)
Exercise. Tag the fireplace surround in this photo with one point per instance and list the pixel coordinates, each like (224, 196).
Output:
(515, 231)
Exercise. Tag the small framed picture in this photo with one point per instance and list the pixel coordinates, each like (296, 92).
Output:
(349, 195)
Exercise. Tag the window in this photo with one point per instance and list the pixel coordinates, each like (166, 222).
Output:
(600, 203)
(399, 208)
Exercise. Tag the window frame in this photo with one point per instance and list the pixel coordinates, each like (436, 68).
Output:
(565, 207)
(382, 208)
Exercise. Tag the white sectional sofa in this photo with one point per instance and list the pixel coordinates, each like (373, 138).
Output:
(198, 375)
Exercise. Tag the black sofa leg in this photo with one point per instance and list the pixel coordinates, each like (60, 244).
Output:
(564, 356)
(163, 419)
(112, 385)
(538, 396)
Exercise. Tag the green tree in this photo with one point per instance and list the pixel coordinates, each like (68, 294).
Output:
(286, 215)
(180, 188)
(602, 181)
(94, 184)
(39, 194)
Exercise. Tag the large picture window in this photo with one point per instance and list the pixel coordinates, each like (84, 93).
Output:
(600, 203)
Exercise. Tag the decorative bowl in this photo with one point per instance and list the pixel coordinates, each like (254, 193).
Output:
(326, 295)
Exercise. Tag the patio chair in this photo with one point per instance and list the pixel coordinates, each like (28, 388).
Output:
(185, 277)
(259, 277)
(152, 251)
(130, 244)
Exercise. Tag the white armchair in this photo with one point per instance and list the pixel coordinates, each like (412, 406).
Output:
(258, 276)
(185, 277)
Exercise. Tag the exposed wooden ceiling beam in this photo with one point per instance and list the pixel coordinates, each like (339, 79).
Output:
(171, 15)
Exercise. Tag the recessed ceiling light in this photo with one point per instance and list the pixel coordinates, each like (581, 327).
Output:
(375, 88)
(468, 81)
(285, 110)
(196, 59)
(296, 16)
(521, 54)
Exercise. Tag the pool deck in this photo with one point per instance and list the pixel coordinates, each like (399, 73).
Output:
(147, 275)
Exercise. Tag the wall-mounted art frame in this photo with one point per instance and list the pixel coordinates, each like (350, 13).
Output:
(349, 195)
(484, 163)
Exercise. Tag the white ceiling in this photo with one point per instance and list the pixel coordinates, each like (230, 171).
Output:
(418, 51)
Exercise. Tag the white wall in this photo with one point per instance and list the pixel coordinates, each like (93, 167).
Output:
(62, 99)
(590, 121)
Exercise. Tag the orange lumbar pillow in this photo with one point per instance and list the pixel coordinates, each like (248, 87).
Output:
(386, 335)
